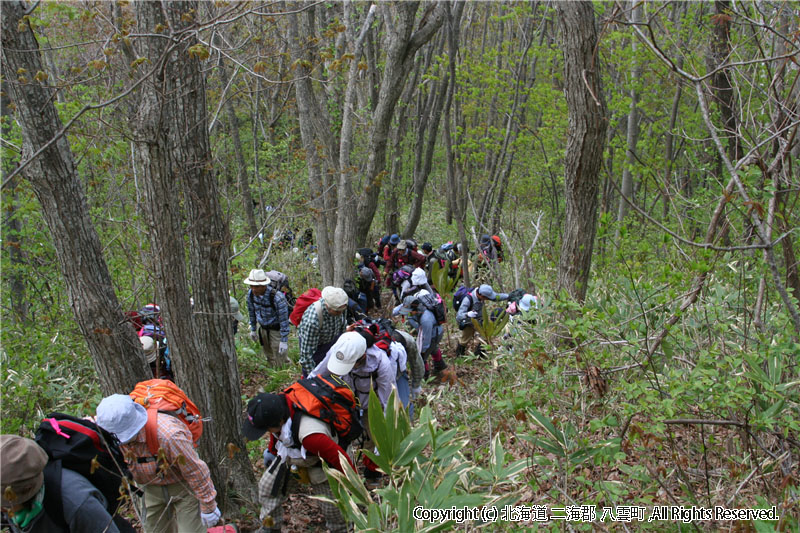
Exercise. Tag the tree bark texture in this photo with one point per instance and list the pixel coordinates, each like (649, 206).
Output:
(112, 342)
(318, 180)
(585, 143)
(175, 157)
(632, 135)
(428, 122)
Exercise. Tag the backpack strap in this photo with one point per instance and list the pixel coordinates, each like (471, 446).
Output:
(53, 502)
(271, 294)
(151, 430)
(318, 306)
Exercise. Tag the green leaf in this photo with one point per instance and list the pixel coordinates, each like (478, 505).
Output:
(412, 445)
(548, 426)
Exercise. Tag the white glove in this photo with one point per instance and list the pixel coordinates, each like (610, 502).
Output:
(268, 457)
(254, 336)
(472, 314)
(415, 392)
(209, 519)
(283, 347)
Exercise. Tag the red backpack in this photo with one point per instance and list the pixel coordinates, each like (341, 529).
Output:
(163, 396)
(302, 303)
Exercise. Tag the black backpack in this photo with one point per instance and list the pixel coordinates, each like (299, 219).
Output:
(516, 295)
(90, 451)
(349, 287)
(434, 304)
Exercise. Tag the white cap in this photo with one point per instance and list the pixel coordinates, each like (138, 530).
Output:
(149, 347)
(335, 298)
(348, 349)
(418, 277)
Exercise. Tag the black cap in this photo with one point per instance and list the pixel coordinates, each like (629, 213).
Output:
(427, 246)
(263, 412)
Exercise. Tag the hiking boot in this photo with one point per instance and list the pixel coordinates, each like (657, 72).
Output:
(461, 350)
(439, 368)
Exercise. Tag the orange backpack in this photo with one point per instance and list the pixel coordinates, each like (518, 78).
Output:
(330, 400)
(163, 396)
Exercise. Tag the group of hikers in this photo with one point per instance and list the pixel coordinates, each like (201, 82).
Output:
(347, 348)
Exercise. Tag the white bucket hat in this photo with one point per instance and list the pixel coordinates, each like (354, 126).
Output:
(120, 415)
(257, 277)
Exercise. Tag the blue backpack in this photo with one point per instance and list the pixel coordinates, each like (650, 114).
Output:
(462, 292)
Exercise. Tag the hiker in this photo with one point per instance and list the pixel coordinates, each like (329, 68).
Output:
(429, 332)
(376, 371)
(471, 306)
(322, 323)
(373, 370)
(36, 503)
(523, 305)
(154, 354)
(427, 249)
(237, 314)
(488, 249)
(365, 257)
(417, 282)
(390, 246)
(409, 383)
(457, 264)
(269, 318)
(366, 284)
(402, 255)
(178, 492)
(299, 441)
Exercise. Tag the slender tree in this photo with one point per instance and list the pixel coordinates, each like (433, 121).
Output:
(585, 142)
(173, 153)
(112, 343)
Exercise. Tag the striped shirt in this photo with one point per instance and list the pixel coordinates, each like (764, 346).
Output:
(182, 462)
(312, 334)
(263, 312)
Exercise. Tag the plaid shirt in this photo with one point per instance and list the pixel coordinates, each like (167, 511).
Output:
(175, 439)
(262, 312)
(312, 334)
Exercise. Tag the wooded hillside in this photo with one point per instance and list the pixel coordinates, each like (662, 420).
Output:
(639, 162)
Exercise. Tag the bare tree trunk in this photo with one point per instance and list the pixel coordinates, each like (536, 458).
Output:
(429, 120)
(174, 154)
(112, 343)
(455, 189)
(632, 135)
(585, 141)
(308, 112)
(398, 134)
(401, 46)
(725, 95)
